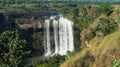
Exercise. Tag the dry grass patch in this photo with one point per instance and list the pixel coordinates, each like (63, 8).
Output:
(99, 54)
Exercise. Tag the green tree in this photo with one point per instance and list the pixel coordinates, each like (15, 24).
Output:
(74, 14)
(106, 26)
(84, 22)
(12, 49)
(64, 10)
(54, 61)
(106, 9)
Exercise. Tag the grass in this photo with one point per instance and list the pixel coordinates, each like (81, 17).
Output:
(100, 54)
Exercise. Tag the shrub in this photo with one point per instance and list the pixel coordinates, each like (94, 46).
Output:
(106, 26)
(74, 14)
(84, 22)
(64, 10)
(90, 35)
(115, 63)
(106, 9)
(12, 49)
(52, 61)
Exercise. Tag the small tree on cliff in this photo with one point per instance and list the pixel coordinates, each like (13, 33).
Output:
(74, 14)
(106, 26)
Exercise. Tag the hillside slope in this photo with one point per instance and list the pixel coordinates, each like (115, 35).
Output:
(100, 54)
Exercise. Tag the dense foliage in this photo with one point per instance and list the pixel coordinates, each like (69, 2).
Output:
(12, 49)
(115, 63)
(106, 26)
(53, 61)
(106, 9)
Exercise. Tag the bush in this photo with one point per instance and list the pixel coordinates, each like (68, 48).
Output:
(30, 6)
(74, 14)
(52, 61)
(115, 63)
(90, 35)
(84, 22)
(12, 49)
(64, 10)
(106, 9)
(106, 26)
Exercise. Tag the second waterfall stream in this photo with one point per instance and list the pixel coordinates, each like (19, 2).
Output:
(63, 36)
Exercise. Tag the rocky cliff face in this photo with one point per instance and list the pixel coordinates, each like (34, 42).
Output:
(26, 20)
(33, 24)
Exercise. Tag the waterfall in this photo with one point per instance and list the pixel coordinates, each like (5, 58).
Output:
(47, 38)
(63, 42)
(63, 36)
(55, 25)
(70, 36)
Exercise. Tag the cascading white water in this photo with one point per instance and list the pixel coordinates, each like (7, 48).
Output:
(63, 42)
(70, 36)
(47, 38)
(55, 26)
(63, 36)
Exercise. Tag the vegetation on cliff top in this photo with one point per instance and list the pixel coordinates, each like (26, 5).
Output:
(101, 53)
